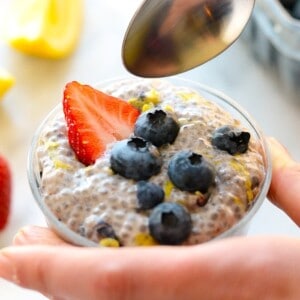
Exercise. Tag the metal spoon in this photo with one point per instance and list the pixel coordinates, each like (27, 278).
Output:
(167, 37)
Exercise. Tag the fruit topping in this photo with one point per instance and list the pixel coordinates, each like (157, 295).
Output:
(5, 192)
(146, 100)
(149, 195)
(135, 158)
(170, 223)
(144, 239)
(191, 172)
(105, 230)
(95, 119)
(231, 139)
(157, 126)
(109, 242)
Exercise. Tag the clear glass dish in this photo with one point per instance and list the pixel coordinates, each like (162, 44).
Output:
(222, 100)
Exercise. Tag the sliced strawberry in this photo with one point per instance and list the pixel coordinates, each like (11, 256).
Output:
(95, 119)
(5, 192)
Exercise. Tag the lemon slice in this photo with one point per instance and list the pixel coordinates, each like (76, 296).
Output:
(6, 82)
(44, 28)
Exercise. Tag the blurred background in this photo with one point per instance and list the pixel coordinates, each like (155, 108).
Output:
(255, 72)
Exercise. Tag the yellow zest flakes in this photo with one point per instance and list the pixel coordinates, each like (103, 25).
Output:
(168, 187)
(109, 171)
(168, 108)
(109, 242)
(237, 201)
(243, 171)
(146, 100)
(248, 185)
(188, 96)
(147, 106)
(182, 202)
(183, 121)
(50, 146)
(152, 96)
(58, 164)
(144, 239)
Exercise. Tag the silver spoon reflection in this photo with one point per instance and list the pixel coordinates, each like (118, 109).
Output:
(167, 37)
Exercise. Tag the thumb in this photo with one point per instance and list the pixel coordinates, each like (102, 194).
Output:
(285, 186)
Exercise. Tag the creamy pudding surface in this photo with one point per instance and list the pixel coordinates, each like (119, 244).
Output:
(102, 205)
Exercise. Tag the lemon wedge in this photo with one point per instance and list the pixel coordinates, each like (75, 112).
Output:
(44, 28)
(6, 82)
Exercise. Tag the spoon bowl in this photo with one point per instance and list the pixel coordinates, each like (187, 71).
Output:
(168, 37)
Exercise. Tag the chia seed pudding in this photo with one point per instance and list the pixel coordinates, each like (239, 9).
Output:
(102, 206)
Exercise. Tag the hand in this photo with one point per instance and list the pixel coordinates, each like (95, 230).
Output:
(236, 268)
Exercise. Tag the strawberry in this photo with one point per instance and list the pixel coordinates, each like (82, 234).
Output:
(5, 192)
(95, 119)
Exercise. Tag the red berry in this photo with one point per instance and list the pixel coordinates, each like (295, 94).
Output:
(5, 192)
(95, 119)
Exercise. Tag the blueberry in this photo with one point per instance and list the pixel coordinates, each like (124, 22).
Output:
(149, 195)
(157, 126)
(170, 223)
(231, 139)
(135, 158)
(191, 172)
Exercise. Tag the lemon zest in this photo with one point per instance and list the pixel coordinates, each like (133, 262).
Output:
(109, 242)
(237, 201)
(109, 171)
(168, 108)
(248, 183)
(168, 187)
(58, 164)
(147, 106)
(50, 146)
(146, 101)
(144, 239)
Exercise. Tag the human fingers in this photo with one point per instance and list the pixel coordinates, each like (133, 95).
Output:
(285, 186)
(241, 268)
(34, 235)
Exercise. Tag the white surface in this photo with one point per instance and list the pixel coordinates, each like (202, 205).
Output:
(39, 85)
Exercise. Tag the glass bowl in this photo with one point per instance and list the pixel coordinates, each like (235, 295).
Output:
(240, 228)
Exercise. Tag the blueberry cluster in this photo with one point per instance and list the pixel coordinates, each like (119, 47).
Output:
(138, 158)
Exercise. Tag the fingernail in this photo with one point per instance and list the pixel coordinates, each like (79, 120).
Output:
(20, 238)
(7, 269)
(33, 235)
(280, 156)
